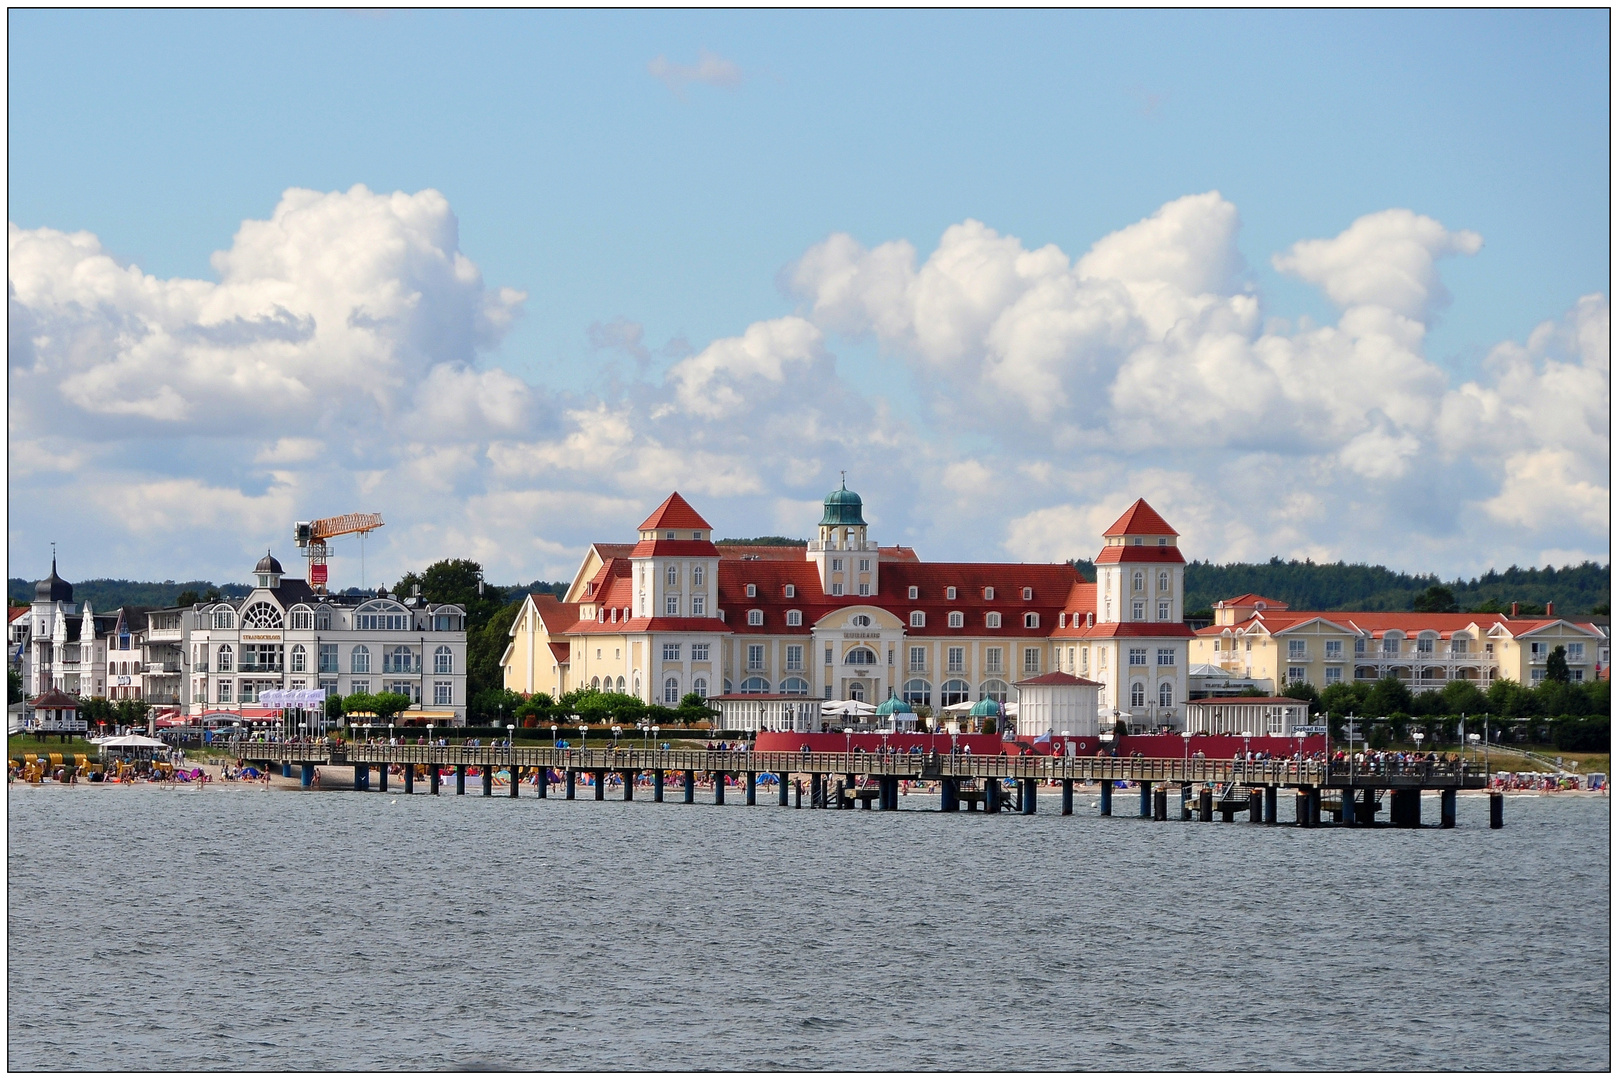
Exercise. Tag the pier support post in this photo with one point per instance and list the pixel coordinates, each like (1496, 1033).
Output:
(780, 787)
(1145, 798)
(629, 784)
(308, 776)
(719, 789)
(570, 783)
(1160, 804)
(1497, 810)
(657, 785)
(460, 779)
(286, 770)
(1272, 797)
(488, 781)
(1301, 807)
(991, 795)
(752, 789)
(544, 779)
(1407, 808)
(690, 787)
(362, 777)
(1106, 798)
(1446, 808)
(849, 787)
(1227, 812)
(381, 777)
(1314, 807)
(1067, 796)
(948, 803)
(600, 778)
(817, 783)
(1205, 804)
(432, 779)
(410, 779)
(1346, 800)
(516, 782)
(840, 790)
(1255, 806)
(1030, 796)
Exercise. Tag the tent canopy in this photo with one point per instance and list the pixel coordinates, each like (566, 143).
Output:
(130, 742)
(837, 707)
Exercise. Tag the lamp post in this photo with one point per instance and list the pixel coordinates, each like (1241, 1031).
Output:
(1186, 735)
(655, 730)
(584, 737)
(553, 736)
(616, 731)
(511, 754)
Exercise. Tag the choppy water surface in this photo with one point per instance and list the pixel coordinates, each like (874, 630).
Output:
(277, 930)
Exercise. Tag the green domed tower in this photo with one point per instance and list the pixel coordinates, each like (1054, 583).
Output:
(847, 561)
(843, 507)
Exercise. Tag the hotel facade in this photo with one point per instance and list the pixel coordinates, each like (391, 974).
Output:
(844, 617)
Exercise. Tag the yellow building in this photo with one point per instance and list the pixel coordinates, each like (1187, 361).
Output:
(1256, 637)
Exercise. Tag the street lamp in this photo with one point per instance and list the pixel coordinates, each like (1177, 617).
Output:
(584, 742)
(553, 736)
(616, 731)
(1186, 735)
(655, 730)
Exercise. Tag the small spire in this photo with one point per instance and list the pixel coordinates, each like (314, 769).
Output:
(844, 474)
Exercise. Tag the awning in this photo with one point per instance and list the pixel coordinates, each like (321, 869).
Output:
(292, 699)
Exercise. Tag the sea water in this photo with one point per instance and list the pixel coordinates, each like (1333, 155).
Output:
(239, 928)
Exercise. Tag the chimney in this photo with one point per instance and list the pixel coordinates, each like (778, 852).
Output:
(1514, 609)
(1550, 609)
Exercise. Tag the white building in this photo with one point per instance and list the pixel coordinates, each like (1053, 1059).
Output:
(63, 647)
(1057, 703)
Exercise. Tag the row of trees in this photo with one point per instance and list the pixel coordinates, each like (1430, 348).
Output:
(586, 706)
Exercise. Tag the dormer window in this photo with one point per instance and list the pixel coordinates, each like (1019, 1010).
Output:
(949, 593)
(752, 590)
(1061, 619)
(670, 535)
(791, 591)
(915, 593)
(1027, 593)
(988, 593)
(992, 620)
(1162, 541)
(697, 535)
(1138, 541)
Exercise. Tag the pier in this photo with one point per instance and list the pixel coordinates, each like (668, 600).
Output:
(1348, 795)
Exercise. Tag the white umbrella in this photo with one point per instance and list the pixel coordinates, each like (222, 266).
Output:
(836, 707)
(131, 742)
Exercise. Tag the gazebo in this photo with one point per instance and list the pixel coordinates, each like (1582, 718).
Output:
(896, 712)
(986, 707)
(56, 712)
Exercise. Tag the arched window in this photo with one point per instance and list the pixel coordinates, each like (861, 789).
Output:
(671, 691)
(755, 617)
(995, 690)
(860, 657)
(1162, 581)
(791, 591)
(992, 620)
(860, 620)
(755, 685)
(621, 684)
(673, 576)
(794, 618)
(398, 660)
(302, 618)
(795, 685)
(1027, 593)
(918, 618)
(359, 661)
(595, 682)
(1137, 695)
(918, 692)
(227, 658)
(696, 574)
(443, 660)
(223, 618)
(262, 616)
(1165, 694)
(954, 692)
(956, 620)
(699, 686)
(856, 691)
(299, 658)
(1140, 581)
(323, 618)
(752, 589)
(1030, 620)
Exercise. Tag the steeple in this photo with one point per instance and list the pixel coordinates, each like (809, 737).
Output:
(846, 559)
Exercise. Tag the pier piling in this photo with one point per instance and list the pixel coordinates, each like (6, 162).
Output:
(410, 779)
(1145, 798)
(1205, 803)
(1272, 797)
(1255, 806)
(1160, 804)
(690, 786)
(308, 776)
(780, 787)
(1497, 810)
(1345, 800)
(460, 779)
(1446, 808)
(991, 795)
(1030, 796)
(719, 789)
(1067, 796)
(600, 778)
(752, 789)
(488, 781)
(629, 784)
(432, 779)
(571, 783)
(657, 785)
(382, 778)
(1106, 798)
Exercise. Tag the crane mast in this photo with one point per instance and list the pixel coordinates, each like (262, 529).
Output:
(312, 537)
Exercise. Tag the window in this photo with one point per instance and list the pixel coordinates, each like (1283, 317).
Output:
(1138, 611)
(1165, 658)
(407, 689)
(1538, 650)
(755, 658)
(956, 658)
(1297, 674)
(1137, 695)
(865, 588)
(1162, 581)
(988, 592)
(328, 658)
(226, 689)
(261, 616)
(865, 566)
(1162, 611)
(303, 620)
(795, 686)
(398, 660)
(227, 658)
(918, 692)
(696, 574)
(995, 690)
(620, 684)
(1575, 652)
(330, 686)
(1359, 646)
(915, 593)
(699, 651)
(671, 650)
(918, 618)
(918, 658)
(672, 577)
(1030, 661)
(1140, 581)
(993, 659)
(1459, 645)
(791, 592)
(671, 604)
(1390, 645)
(992, 620)
(1030, 620)
(953, 692)
(794, 618)
(837, 588)
(699, 686)
(381, 620)
(755, 617)
(949, 593)
(828, 654)
(795, 659)
(860, 657)
(1576, 675)
(300, 658)
(860, 620)
(671, 691)
(359, 661)
(837, 564)
(1297, 647)
(1334, 650)
(1137, 657)
(956, 620)
(1165, 695)
(441, 693)
(752, 590)
(223, 619)
(699, 605)
(359, 686)
(1424, 645)
(1334, 675)
(756, 685)
(697, 535)
(670, 535)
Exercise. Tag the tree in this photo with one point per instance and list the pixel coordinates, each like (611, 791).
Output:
(1507, 697)
(484, 647)
(492, 703)
(1341, 699)
(1435, 598)
(13, 685)
(334, 708)
(1462, 697)
(455, 581)
(1387, 695)
(1302, 691)
(387, 705)
(1556, 665)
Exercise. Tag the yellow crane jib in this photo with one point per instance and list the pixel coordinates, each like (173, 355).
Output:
(312, 537)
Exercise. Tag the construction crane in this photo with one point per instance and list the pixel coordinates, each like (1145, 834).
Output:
(312, 537)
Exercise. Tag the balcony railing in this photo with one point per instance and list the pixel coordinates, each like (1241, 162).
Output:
(1298, 658)
(393, 667)
(258, 668)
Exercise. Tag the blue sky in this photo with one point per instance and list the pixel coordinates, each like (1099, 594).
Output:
(680, 204)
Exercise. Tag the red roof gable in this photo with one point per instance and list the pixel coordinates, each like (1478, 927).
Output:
(674, 513)
(556, 615)
(54, 699)
(1250, 599)
(1057, 678)
(562, 650)
(13, 613)
(1140, 520)
(1142, 553)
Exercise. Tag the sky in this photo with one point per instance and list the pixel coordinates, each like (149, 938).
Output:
(1328, 285)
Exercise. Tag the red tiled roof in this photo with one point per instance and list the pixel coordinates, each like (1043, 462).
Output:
(1057, 678)
(800, 553)
(556, 615)
(1134, 629)
(1378, 623)
(674, 549)
(1142, 553)
(613, 551)
(54, 699)
(1140, 520)
(674, 513)
(1250, 599)
(562, 650)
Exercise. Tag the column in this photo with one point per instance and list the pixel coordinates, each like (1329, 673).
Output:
(286, 770)
(1497, 810)
(460, 779)
(719, 789)
(1255, 806)
(780, 787)
(600, 778)
(543, 779)
(1106, 798)
(1446, 808)
(308, 776)
(1067, 796)
(1145, 798)
(1301, 807)
(752, 789)
(948, 801)
(488, 780)
(1314, 806)
(516, 782)
(816, 785)
(432, 778)
(410, 779)
(1030, 797)
(1272, 797)
(572, 780)
(657, 785)
(991, 795)
(361, 777)
(1160, 804)
(382, 777)
(1205, 805)
(629, 784)
(690, 787)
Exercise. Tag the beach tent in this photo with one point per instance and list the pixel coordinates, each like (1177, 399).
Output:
(837, 707)
(130, 742)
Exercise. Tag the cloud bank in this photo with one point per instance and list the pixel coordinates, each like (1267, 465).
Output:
(339, 363)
